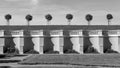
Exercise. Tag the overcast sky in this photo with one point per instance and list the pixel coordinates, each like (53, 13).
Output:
(58, 9)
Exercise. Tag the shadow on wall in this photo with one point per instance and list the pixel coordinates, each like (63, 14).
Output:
(67, 42)
(28, 44)
(107, 44)
(9, 43)
(87, 44)
(48, 45)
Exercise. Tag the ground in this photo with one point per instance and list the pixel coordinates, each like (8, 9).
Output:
(65, 61)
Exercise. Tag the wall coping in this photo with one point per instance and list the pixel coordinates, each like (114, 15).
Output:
(61, 27)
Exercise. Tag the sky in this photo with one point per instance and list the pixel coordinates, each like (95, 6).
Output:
(58, 9)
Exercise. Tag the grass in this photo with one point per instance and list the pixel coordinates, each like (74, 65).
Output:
(109, 60)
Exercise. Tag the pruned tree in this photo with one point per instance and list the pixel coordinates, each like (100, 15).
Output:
(28, 18)
(48, 18)
(8, 17)
(109, 18)
(89, 17)
(69, 17)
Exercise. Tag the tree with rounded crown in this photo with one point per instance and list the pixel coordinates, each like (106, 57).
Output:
(28, 18)
(69, 17)
(8, 17)
(89, 17)
(109, 18)
(48, 18)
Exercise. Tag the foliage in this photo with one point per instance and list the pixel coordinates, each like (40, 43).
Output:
(69, 16)
(32, 51)
(8, 17)
(70, 51)
(10, 50)
(52, 52)
(48, 17)
(28, 17)
(2, 56)
(111, 51)
(109, 16)
(89, 17)
(91, 50)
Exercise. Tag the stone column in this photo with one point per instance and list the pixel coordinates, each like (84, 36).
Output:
(114, 38)
(2, 41)
(77, 40)
(38, 40)
(58, 40)
(18, 39)
(96, 39)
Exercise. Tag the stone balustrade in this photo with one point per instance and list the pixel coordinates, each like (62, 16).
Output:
(38, 40)
(57, 39)
(114, 37)
(18, 39)
(26, 40)
(77, 40)
(96, 39)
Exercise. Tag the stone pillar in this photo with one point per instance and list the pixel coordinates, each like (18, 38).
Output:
(77, 40)
(114, 38)
(96, 39)
(18, 39)
(2, 41)
(58, 40)
(38, 40)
